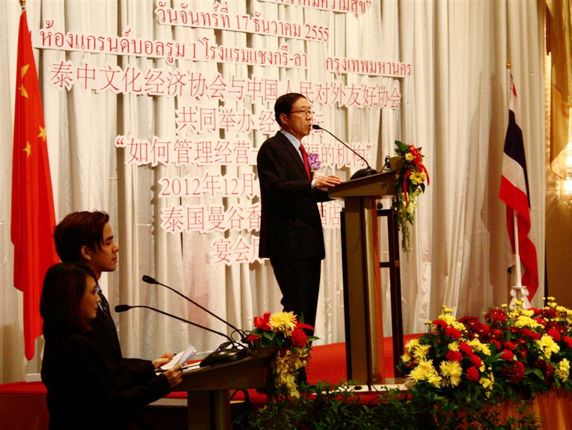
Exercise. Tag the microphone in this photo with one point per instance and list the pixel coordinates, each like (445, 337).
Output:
(223, 354)
(361, 173)
(150, 280)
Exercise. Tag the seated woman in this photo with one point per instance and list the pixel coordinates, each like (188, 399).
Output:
(83, 391)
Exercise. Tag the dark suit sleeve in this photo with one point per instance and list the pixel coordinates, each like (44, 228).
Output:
(136, 369)
(280, 180)
(115, 391)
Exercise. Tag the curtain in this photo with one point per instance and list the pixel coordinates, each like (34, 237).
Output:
(454, 106)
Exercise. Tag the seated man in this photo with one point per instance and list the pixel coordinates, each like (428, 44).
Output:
(87, 237)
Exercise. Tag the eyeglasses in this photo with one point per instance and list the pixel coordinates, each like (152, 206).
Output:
(304, 112)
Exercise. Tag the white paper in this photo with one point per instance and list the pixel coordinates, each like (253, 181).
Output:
(180, 358)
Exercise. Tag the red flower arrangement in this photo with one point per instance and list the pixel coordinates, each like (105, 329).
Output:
(513, 353)
(283, 332)
(410, 184)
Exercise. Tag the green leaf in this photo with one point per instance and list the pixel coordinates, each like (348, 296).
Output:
(401, 147)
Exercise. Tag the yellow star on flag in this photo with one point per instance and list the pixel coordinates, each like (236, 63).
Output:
(42, 134)
(23, 91)
(28, 149)
(23, 72)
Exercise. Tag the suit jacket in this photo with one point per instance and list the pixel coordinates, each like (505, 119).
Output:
(84, 392)
(104, 336)
(290, 221)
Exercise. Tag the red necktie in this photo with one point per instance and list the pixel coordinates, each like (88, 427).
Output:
(305, 159)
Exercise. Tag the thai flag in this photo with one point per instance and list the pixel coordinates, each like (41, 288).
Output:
(514, 193)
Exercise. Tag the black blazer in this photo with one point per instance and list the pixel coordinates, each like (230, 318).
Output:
(105, 339)
(290, 221)
(104, 334)
(85, 393)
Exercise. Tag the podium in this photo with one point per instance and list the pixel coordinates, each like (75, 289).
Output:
(361, 267)
(207, 389)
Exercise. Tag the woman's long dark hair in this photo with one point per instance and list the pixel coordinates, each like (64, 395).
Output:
(62, 291)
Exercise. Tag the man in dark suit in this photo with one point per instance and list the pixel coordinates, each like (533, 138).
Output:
(87, 237)
(291, 230)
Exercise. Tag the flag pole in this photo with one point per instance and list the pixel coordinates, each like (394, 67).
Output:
(518, 291)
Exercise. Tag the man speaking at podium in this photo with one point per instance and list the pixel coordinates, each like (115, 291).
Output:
(291, 229)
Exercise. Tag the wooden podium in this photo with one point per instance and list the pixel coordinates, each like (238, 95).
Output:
(361, 265)
(207, 389)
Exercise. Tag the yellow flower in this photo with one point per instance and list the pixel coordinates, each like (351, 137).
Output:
(482, 347)
(420, 352)
(447, 310)
(453, 346)
(418, 177)
(405, 358)
(563, 370)
(547, 345)
(452, 321)
(487, 384)
(435, 380)
(526, 321)
(527, 312)
(451, 371)
(412, 343)
(409, 156)
(284, 322)
(426, 372)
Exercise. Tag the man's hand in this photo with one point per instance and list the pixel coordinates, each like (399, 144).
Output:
(164, 359)
(322, 182)
(174, 376)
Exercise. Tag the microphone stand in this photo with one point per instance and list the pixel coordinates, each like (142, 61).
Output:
(361, 173)
(150, 280)
(123, 308)
(220, 355)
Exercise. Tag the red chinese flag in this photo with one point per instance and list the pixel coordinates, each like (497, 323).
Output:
(33, 217)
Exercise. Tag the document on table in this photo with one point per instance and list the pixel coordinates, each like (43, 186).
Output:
(180, 358)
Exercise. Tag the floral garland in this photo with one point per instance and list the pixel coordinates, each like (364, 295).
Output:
(513, 354)
(283, 332)
(410, 183)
